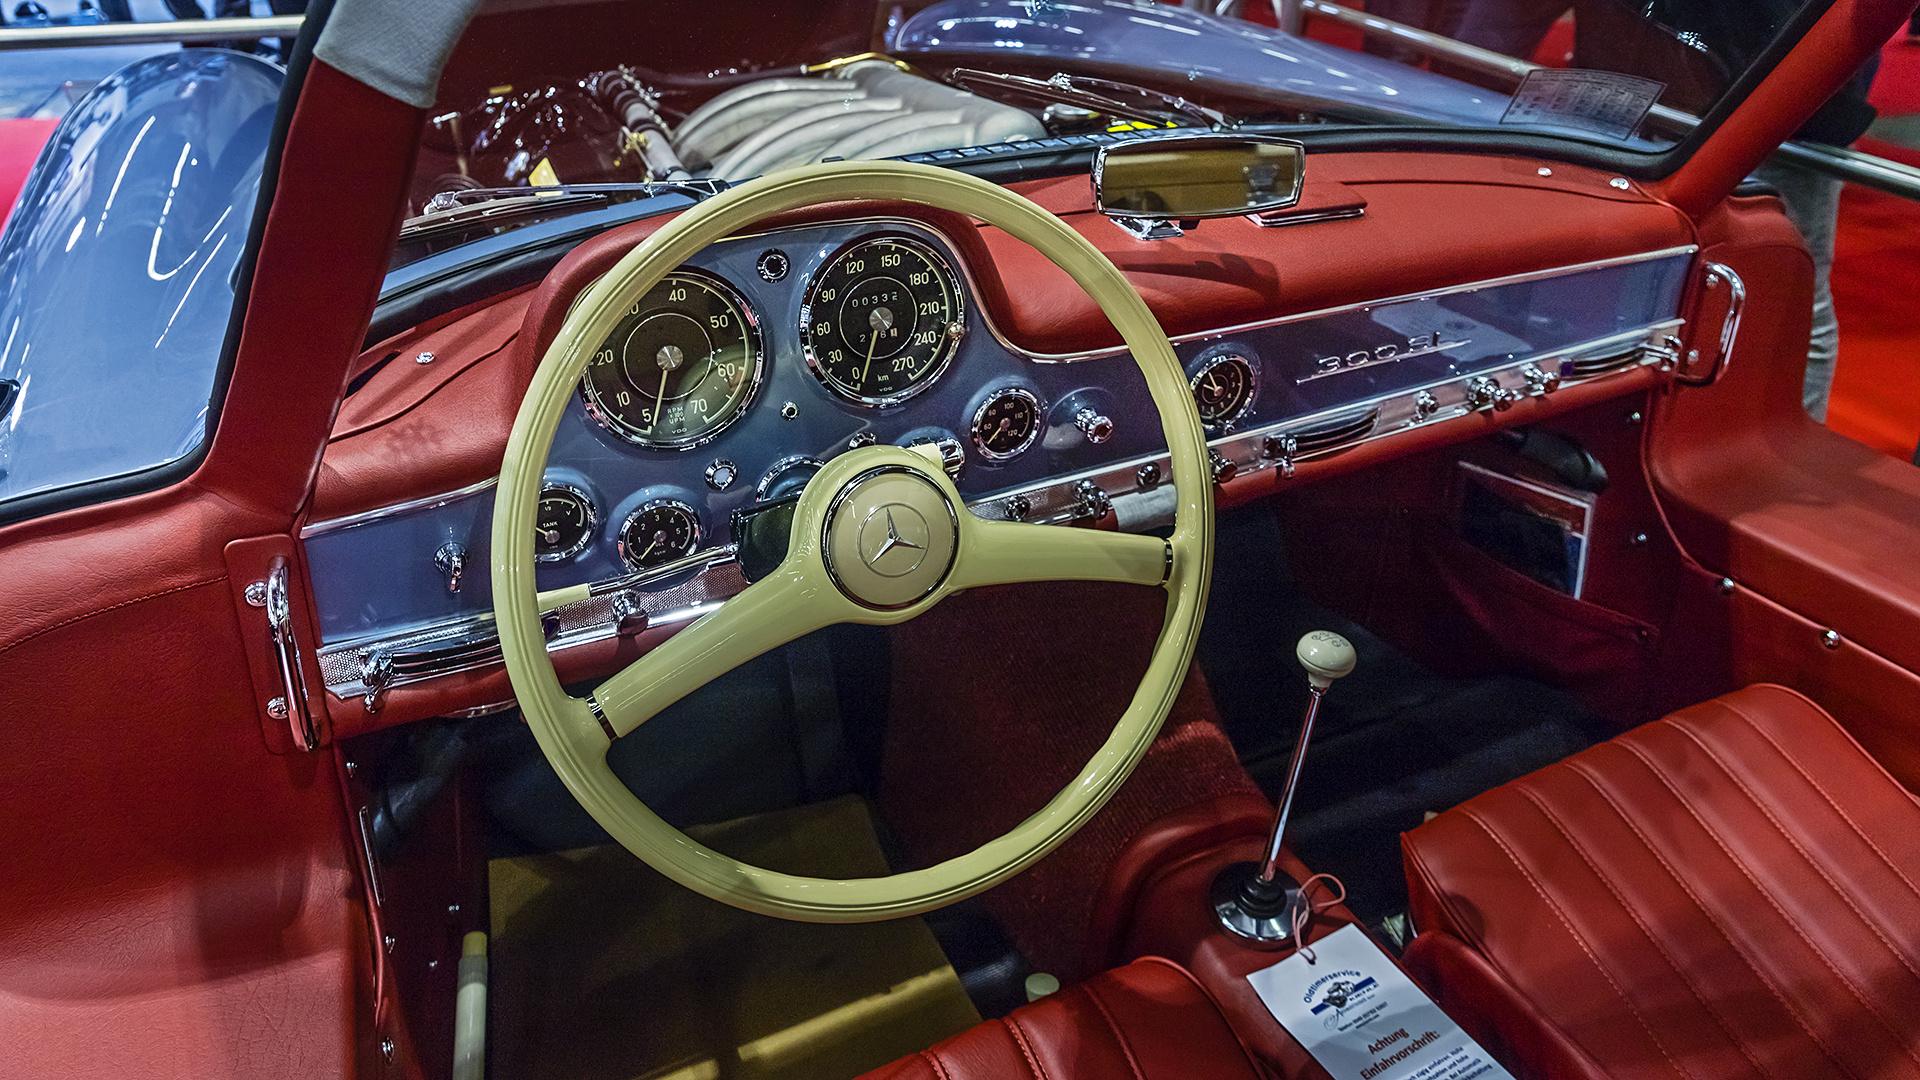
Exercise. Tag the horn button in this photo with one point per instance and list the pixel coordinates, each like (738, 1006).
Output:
(890, 538)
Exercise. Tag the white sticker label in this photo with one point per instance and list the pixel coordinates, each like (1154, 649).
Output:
(1362, 1019)
(1601, 102)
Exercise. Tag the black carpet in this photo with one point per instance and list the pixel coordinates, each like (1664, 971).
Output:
(1393, 740)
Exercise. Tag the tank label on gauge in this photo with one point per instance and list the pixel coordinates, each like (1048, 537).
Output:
(1362, 1019)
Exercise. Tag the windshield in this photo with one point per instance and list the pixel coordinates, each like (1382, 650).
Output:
(725, 99)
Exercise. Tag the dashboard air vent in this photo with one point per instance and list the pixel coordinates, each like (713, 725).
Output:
(1333, 432)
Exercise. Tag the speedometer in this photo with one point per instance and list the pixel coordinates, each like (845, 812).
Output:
(882, 320)
(681, 365)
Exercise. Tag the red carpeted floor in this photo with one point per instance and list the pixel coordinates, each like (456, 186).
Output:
(1876, 272)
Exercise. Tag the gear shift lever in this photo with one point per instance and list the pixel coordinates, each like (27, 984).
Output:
(1258, 902)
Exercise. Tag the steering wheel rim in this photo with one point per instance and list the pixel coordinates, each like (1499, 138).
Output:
(575, 733)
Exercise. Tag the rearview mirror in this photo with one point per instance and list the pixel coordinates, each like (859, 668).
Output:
(1197, 176)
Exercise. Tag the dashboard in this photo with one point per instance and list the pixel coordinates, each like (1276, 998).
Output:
(733, 379)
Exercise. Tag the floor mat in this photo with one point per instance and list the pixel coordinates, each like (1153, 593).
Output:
(602, 968)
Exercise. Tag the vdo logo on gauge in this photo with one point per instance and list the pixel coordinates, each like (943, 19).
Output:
(882, 320)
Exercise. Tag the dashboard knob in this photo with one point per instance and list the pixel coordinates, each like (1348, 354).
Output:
(1222, 469)
(1326, 656)
(1482, 392)
(1095, 427)
(451, 559)
(1539, 380)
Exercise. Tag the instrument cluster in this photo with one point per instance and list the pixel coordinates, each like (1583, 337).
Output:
(737, 375)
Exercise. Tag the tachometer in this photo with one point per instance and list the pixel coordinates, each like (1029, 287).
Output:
(682, 364)
(882, 320)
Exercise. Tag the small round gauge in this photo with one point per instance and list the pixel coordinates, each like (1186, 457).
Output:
(1006, 423)
(659, 531)
(1223, 388)
(882, 320)
(564, 524)
(681, 365)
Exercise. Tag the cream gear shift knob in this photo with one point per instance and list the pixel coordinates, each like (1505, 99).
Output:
(1326, 656)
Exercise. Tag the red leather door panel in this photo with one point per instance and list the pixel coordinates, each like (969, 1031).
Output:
(182, 895)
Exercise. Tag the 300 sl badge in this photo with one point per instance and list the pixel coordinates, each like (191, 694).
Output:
(1390, 353)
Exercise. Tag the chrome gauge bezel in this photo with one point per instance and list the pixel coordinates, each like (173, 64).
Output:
(948, 344)
(757, 343)
(693, 542)
(1219, 359)
(551, 488)
(980, 446)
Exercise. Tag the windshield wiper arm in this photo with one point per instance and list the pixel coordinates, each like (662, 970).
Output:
(462, 209)
(1095, 95)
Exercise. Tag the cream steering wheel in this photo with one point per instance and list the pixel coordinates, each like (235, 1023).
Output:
(879, 536)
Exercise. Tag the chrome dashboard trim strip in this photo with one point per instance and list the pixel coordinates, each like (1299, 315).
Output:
(424, 503)
(1431, 294)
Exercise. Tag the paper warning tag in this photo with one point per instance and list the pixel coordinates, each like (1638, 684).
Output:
(1362, 1019)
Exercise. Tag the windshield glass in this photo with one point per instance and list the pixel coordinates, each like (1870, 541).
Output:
(784, 84)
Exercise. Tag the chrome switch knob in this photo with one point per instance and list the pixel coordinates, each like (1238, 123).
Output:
(1095, 427)
(1539, 380)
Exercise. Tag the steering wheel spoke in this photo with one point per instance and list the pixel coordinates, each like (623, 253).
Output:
(769, 613)
(1001, 552)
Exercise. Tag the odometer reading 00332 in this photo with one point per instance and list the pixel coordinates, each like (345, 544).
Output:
(682, 364)
(882, 319)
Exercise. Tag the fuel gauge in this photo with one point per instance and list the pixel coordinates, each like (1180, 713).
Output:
(564, 524)
(1006, 423)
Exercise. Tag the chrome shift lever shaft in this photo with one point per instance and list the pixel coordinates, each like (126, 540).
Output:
(1258, 902)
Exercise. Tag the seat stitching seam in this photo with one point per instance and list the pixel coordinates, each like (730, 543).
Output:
(1026, 1051)
(933, 1060)
(1845, 895)
(1755, 883)
(1837, 808)
(1772, 987)
(1578, 938)
(1113, 1025)
(1634, 913)
(1871, 1008)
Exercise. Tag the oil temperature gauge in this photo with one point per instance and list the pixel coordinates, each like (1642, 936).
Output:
(658, 532)
(564, 524)
(1223, 387)
(1006, 423)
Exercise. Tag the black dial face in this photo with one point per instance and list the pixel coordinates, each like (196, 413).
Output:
(682, 364)
(658, 532)
(1006, 423)
(564, 524)
(882, 320)
(1223, 389)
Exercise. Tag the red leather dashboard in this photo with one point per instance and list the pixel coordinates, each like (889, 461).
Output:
(1431, 222)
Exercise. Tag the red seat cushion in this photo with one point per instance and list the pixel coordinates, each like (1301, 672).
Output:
(1148, 1020)
(1728, 892)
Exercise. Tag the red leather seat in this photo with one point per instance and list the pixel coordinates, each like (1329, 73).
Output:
(1149, 1020)
(1733, 891)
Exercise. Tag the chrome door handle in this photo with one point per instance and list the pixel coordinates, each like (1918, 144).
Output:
(292, 706)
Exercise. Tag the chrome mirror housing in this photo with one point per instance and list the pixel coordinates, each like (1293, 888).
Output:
(1149, 185)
